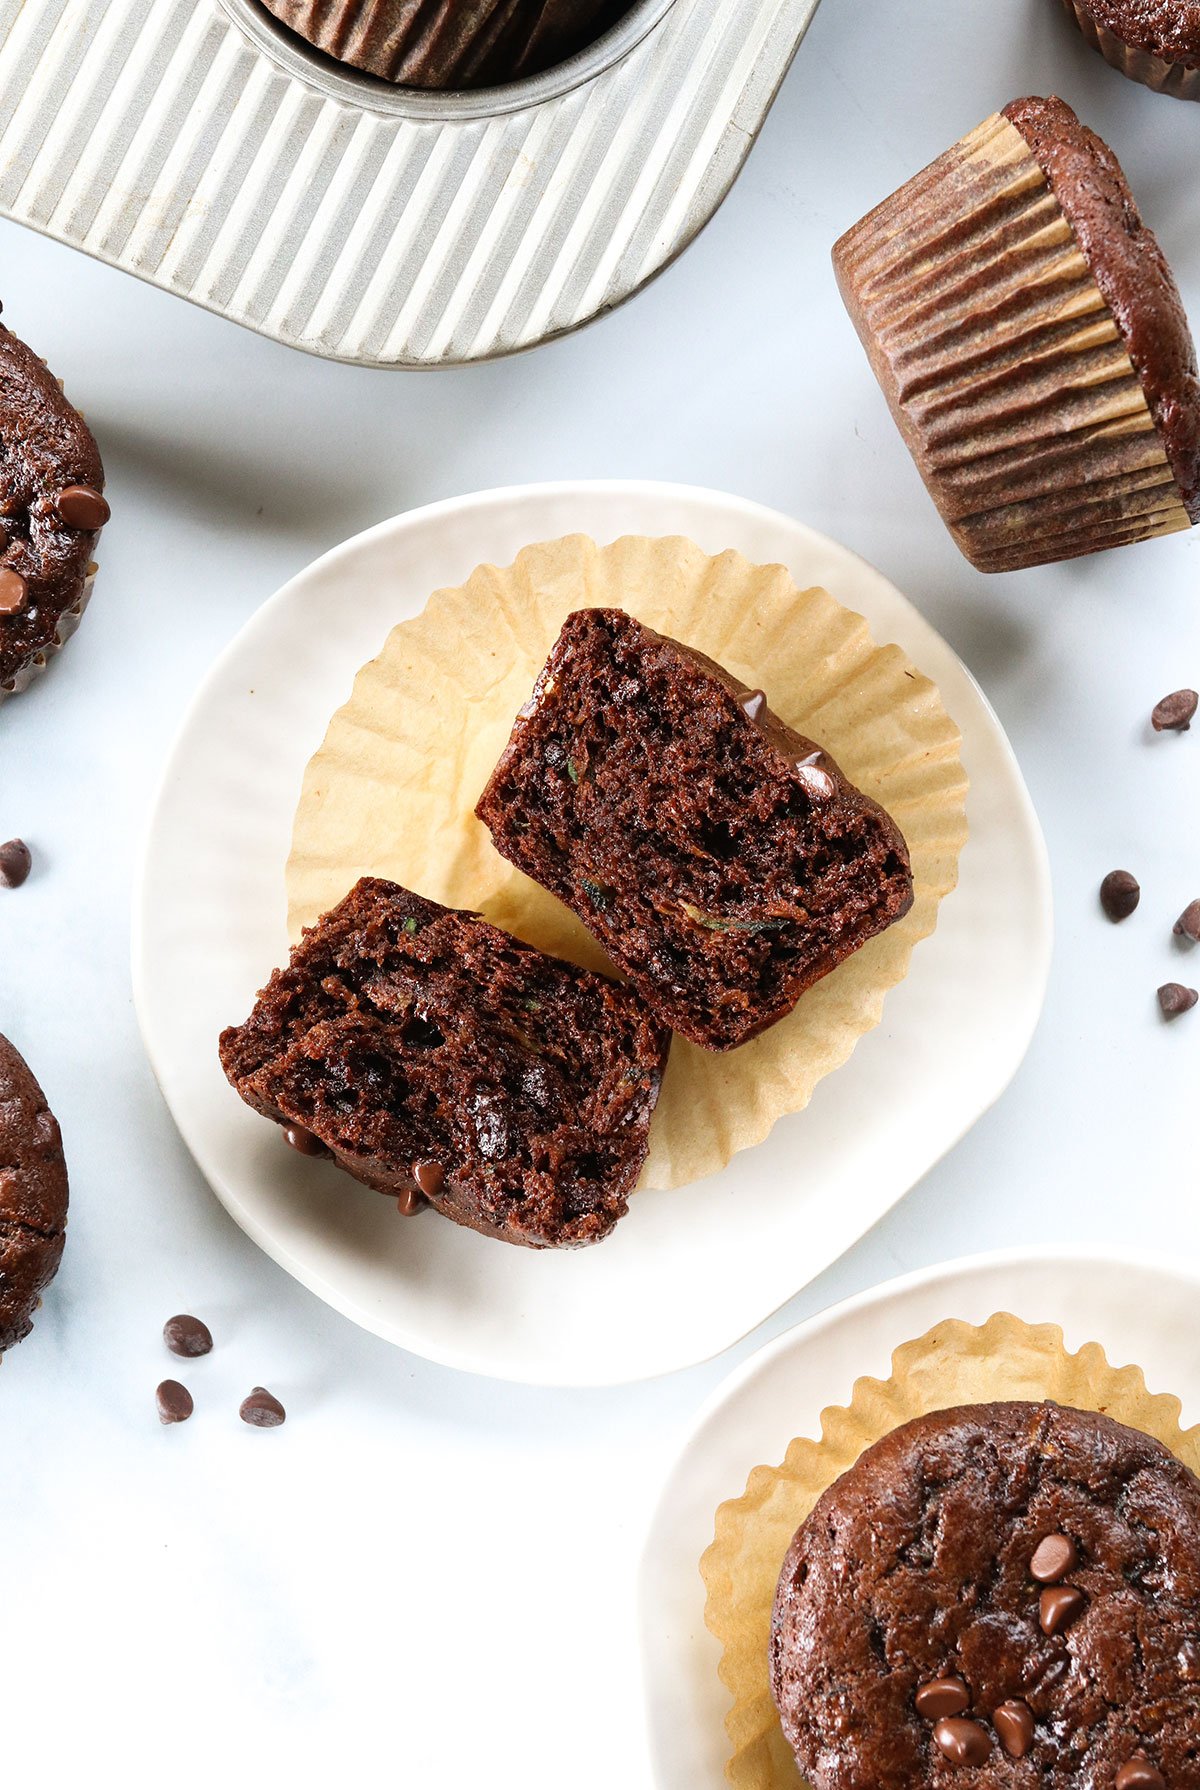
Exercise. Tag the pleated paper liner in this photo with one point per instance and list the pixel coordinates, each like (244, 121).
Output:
(1158, 72)
(1003, 366)
(393, 788)
(954, 1364)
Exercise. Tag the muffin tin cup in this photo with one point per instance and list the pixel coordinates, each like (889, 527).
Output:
(202, 146)
(1175, 78)
(1002, 364)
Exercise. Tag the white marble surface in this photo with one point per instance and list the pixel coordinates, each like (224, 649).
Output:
(426, 1579)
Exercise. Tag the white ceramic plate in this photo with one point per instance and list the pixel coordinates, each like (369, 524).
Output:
(1141, 1311)
(687, 1273)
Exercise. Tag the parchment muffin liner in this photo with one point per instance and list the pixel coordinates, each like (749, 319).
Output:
(1158, 72)
(1002, 364)
(953, 1364)
(392, 790)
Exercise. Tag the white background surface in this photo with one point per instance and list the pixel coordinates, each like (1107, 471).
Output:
(426, 1579)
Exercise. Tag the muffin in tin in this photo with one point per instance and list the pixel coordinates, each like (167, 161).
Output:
(1031, 342)
(451, 44)
(1156, 42)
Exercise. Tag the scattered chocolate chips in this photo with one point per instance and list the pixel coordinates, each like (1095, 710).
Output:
(304, 1142)
(187, 1336)
(410, 1202)
(174, 1402)
(429, 1177)
(1140, 1773)
(1174, 998)
(16, 861)
(1120, 893)
(1013, 1723)
(1053, 1558)
(1188, 924)
(963, 1742)
(14, 591)
(942, 1696)
(262, 1410)
(1059, 1607)
(1174, 713)
(753, 704)
(80, 506)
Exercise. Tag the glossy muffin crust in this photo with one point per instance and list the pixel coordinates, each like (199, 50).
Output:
(33, 1196)
(996, 1595)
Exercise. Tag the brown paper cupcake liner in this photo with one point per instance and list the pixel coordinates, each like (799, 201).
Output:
(954, 1364)
(1003, 366)
(1164, 76)
(449, 44)
(392, 791)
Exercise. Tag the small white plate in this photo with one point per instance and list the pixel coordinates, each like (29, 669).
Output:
(1140, 1311)
(687, 1273)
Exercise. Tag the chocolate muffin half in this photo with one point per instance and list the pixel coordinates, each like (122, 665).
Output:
(450, 44)
(33, 1196)
(1156, 42)
(724, 861)
(1000, 1595)
(51, 510)
(1031, 343)
(437, 1058)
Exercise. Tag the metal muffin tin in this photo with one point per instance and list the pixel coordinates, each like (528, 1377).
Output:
(201, 146)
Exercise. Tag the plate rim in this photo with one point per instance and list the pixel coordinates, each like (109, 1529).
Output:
(804, 1334)
(215, 677)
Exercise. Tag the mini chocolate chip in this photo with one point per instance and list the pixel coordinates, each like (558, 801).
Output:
(262, 1410)
(1053, 1558)
(1120, 893)
(410, 1202)
(1174, 999)
(1174, 713)
(80, 506)
(1058, 1608)
(753, 704)
(185, 1335)
(14, 591)
(816, 782)
(16, 860)
(942, 1696)
(1188, 924)
(963, 1742)
(429, 1177)
(174, 1402)
(1013, 1723)
(304, 1141)
(1139, 1773)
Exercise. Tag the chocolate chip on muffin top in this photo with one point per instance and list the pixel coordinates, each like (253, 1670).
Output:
(51, 507)
(1008, 1591)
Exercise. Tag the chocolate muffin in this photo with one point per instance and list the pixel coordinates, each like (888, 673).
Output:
(450, 44)
(33, 1196)
(1031, 343)
(1002, 1594)
(51, 510)
(724, 861)
(1156, 42)
(438, 1059)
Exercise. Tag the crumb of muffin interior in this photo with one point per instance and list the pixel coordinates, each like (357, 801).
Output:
(439, 1059)
(724, 861)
